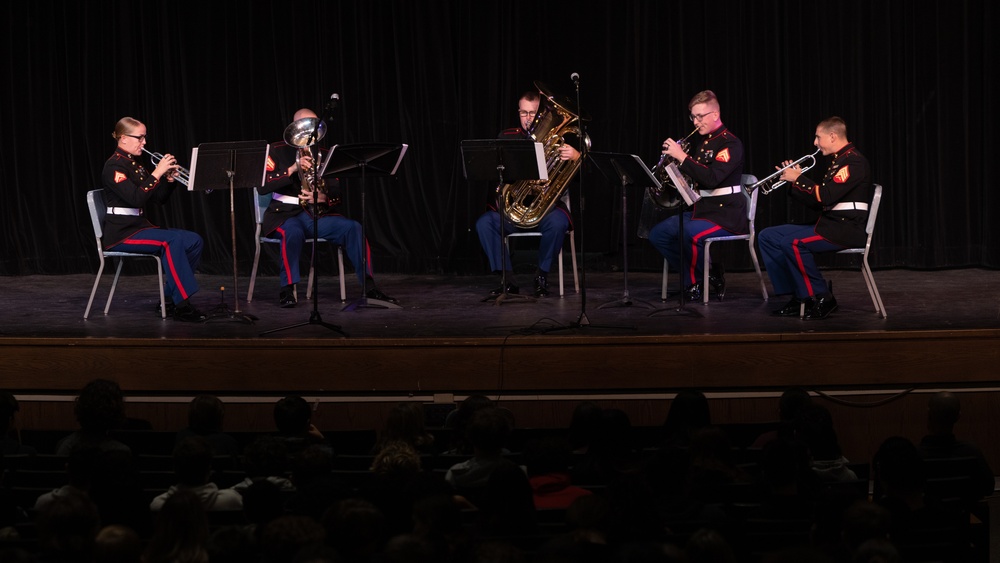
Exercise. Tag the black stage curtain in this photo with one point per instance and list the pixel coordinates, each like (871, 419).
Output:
(913, 82)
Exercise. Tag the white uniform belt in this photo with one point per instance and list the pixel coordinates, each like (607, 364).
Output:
(850, 206)
(289, 199)
(134, 211)
(721, 191)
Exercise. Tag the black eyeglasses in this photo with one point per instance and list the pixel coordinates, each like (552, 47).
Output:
(698, 117)
(136, 137)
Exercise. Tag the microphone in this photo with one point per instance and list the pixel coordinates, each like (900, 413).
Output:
(575, 78)
(331, 104)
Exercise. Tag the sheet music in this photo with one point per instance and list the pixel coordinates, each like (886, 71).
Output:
(690, 196)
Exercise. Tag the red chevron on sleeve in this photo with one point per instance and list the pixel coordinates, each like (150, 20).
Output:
(723, 155)
(270, 164)
(842, 175)
(120, 177)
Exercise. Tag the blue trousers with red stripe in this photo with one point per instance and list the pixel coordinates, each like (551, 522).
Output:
(788, 253)
(180, 252)
(664, 238)
(334, 228)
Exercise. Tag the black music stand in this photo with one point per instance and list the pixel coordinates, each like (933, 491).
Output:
(627, 170)
(506, 160)
(359, 161)
(690, 198)
(238, 164)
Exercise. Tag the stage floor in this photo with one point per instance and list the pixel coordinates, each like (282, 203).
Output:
(451, 306)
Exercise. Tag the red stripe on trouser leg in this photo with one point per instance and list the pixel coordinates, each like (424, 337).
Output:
(798, 261)
(694, 251)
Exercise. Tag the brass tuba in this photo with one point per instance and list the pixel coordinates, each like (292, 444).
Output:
(526, 202)
(304, 133)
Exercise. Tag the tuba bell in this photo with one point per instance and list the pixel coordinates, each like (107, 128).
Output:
(526, 202)
(304, 133)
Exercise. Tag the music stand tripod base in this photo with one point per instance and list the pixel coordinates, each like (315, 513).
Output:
(368, 302)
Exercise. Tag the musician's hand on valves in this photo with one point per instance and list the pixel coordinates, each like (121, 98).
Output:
(673, 149)
(567, 152)
(302, 163)
(167, 165)
(791, 173)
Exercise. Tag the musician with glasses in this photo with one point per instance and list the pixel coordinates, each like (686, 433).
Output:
(128, 188)
(553, 225)
(287, 219)
(716, 169)
(842, 198)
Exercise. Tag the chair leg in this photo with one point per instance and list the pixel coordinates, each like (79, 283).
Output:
(253, 271)
(309, 286)
(562, 285)
(159, 278)
(114, 284)
(756, 266)
(872, 288)
(93, 291)
(663, 282)
(705, 290)
(340, 268)
(572, 259)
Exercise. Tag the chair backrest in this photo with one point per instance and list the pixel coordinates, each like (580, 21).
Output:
(749, 180)
(873, 211)
(98, 209)
(260, 203)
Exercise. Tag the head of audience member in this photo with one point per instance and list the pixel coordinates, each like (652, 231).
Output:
(405, 423)
(583, 425)
(292, 416)
(507, 504)
(311, 464)
(266, 456)
(408, 548)
(943, 411)
(231, 544)
(205, 415)
(706, 114)
(8, 410)
(792, 401)
(356, 528)
(180, 532)
(879, 550)
(899, 469)
(67, 528)
(688, 413)
(117, 544)
(488, 431)
(864, 521)
(708, 546)
(784, 467)
(100, 407)
(262, 503)
(462, 414)
(192, 461)
(814, 426)
(396, 458)
(284, 537)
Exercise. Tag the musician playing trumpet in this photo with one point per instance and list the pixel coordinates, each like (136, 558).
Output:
(716, 166)
(842, 198)
(128, 188)
(286, 218)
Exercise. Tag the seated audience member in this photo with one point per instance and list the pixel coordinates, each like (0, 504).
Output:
(405, 423)
(193, 467)
(356, 529)
(713, 464)
(688, 414)
(181, 530)
(459, 419)
(11, 445)
(99, 408)
(548, 462)
(487, 433)
(398, 482)
(117, 544)
(610, 453)
(507, 507)
(583, 425)
(286, 536)
(205, 416)
(266, 459)
(81, 467)
(293, 420)
(67, 528)
(316, 487)
(814, 427)
(791, 402)
(943, 411)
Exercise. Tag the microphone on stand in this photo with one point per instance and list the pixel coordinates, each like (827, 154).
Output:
(575, 77)
(331, 104)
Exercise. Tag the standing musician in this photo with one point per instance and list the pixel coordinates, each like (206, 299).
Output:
(842, 198)
(716, 169)
(553, 225)
(128, 187)
(292, 223)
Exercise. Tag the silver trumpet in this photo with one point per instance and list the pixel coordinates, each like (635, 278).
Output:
(774, 181)
(181, 174)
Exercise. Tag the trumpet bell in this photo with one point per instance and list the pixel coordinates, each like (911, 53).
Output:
(305, 132)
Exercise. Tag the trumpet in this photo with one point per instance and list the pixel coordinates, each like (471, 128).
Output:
(774, 181)
(181, 174)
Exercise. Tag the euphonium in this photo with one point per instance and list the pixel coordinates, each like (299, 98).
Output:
(774, 181)
(667, 195)
(304, 133)
(526, 202)
(181, 174)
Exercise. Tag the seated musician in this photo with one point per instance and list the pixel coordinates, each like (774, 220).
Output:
(291, 221)
(842, 197)
(128, 187)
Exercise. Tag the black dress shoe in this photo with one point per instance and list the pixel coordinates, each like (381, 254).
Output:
(822, 308)
(189, 314)
(170, 309)
(717, 285)
(286, 298)
(511, 288)
(791, 309)
(376, 293)
(693, 292)
(541, 286)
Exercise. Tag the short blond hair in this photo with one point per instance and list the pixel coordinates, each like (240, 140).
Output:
(705, 97)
